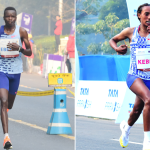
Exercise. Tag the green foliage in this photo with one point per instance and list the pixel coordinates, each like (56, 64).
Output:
(108, 27)
(44, 44)
(94, 47)
(118, 7)
(88, 7)
(113, 18)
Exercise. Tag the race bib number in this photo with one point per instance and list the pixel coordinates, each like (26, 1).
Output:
(4, 51)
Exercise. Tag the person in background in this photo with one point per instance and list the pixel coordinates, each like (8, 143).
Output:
(58, 32)
(29, 58)
(71, 52)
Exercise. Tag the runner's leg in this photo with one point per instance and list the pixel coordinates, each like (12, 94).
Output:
(13, 88)
(11, 99)
(137, 109)
(140, 89)
(4, 106)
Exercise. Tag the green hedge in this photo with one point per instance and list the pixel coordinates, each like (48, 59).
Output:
(44, 44)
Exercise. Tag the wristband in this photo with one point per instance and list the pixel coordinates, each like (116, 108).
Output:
(20, 49)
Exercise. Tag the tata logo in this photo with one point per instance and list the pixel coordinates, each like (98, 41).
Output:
(84, 103)
(113, 93)
(130, 107)
(84, 91)
(112, 106)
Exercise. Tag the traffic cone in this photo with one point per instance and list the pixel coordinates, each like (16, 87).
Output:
(59, 122)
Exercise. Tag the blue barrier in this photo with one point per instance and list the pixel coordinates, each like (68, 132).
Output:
(104, 67)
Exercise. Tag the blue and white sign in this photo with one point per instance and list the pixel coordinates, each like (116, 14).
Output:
(101, 99)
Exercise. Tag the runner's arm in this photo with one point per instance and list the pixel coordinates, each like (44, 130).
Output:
(24, 37)
(126, 33)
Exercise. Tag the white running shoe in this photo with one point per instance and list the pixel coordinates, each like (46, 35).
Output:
(146, 145)
(124, 139)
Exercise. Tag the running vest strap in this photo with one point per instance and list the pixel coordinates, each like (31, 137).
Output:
(11, 65)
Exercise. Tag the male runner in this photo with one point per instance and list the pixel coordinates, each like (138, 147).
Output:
(11, 68)
(138, 79)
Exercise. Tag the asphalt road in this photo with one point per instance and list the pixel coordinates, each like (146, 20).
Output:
(101, 134)
(30, 117)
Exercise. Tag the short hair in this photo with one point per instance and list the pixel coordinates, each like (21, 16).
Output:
(10, 8)
(140, 8)
(58, 15)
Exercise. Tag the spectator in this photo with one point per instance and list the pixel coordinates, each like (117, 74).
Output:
(71, 52)
(58, 32)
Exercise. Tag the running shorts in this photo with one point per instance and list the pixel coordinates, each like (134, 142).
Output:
(131, 78)
(10, 82)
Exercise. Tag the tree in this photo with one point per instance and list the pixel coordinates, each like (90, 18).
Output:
(108, 27)
(88, 7)
(114, 6)
(67, 13)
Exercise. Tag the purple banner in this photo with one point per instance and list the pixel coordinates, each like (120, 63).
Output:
(26, 22)
(72, 26)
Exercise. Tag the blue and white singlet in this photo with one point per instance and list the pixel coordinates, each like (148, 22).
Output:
(138, 42)
(11, 65)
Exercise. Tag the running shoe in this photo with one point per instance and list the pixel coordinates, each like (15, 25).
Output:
(146, 145)
(7, 143)
(124, 139)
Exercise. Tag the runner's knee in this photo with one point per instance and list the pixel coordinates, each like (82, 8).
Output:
(4, 102)
(147, 102)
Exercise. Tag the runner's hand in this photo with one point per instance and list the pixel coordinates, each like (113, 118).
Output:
(13, 46)
(122, 49)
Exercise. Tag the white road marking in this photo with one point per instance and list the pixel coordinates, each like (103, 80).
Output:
(129, 142)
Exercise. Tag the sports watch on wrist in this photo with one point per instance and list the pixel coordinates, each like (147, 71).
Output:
(20, 49)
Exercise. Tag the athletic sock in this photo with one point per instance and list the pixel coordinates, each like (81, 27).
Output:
(6, 134)
(127, 128)
(146, 135)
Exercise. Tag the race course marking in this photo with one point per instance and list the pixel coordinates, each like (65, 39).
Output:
(129, 142)
(40, 128)
(43, 90)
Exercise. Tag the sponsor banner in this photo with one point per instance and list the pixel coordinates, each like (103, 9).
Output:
(101, 99)
(25, 20)
(126, 108)
(59, 79)
(132, 10)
